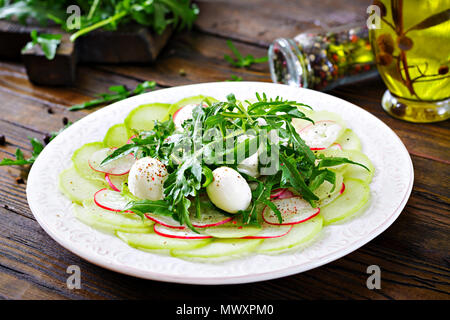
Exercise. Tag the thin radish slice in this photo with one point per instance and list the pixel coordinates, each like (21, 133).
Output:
(110, 183)
(178, 233)
(342, 188)
(210, 219)
(321, 135)
(286, 195)
(270, 231)
(184, 113)
(164, 221)
(276, 193)
(110, 200)
(293, 211)
(131, 139)
(116, 182)
(116, 168)
(335, 146)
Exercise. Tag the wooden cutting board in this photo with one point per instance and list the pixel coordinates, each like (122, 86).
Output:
(130, 44)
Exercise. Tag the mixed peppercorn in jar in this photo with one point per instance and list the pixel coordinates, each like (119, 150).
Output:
(322, 60)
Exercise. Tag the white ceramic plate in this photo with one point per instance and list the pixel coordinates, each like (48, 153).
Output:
(390, 190)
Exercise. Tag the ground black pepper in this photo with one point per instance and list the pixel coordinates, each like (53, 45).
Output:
(47, 138)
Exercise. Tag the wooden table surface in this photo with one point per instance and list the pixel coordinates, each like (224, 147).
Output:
(413, 253)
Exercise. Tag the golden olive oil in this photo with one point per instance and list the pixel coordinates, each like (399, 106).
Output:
(412, 51)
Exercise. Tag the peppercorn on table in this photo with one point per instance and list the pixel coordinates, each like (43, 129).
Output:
(412, 254)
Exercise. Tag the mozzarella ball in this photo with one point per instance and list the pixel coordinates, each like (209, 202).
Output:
(229, 191)
(146, 179)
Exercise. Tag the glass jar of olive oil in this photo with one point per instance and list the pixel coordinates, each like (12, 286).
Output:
(412, 51)
(322, 60)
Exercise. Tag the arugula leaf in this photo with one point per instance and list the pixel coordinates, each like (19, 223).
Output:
(35, 9)
(47, 42)
(37, 148)
(241, 61)
(119, 93)
(140, 207)
(335, 161)
(319, 176)
(260, 197)
(207, 173)
(235, 78)
(275, 210)
(20, 159)
(155, 14)
(292, 174)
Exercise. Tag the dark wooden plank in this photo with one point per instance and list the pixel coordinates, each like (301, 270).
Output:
(97, 46)
(60, 71)
(90, 83)
(109, 46)
(200, 57)
(261, 21)
(22, 255)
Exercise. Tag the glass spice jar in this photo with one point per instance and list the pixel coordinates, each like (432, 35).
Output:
(322, 60)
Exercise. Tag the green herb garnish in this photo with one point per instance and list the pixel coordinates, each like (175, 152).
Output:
(119, 93)
(241, 61)
(20, 158)
(47, 42)
(107, 14)
(235, 78)
(37, 149)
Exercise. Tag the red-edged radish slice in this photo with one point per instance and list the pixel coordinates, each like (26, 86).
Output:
(116, 182)
(131, 139)
(286, 194)
(335, 146)
(293, 211)
(184, 113)
(276, 193)
(321, 135)
(281, 193)
(110, 183)
(164, 221)
(210, 219)
(116, 168)
(176, 112)
(110, 200)
(342, 188)
(178, 233)
(270, 231)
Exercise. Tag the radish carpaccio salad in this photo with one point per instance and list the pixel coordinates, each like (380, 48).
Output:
(212, 180)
